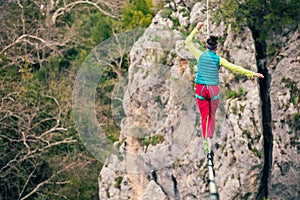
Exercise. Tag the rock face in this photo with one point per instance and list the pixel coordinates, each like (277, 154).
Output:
(285, 97)
(161, 151)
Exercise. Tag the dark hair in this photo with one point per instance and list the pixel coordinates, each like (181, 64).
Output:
(212, 40)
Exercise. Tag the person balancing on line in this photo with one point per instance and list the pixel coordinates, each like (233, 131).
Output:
(207, 81)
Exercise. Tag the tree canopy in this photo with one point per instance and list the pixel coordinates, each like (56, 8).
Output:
(262, 16)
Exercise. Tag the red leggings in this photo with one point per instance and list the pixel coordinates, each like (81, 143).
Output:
(208, 108)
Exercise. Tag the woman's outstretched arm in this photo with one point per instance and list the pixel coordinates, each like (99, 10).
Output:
(238, 69)
(189, 43)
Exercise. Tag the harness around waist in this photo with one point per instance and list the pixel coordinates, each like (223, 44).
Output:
(214, 97)
(205, 98)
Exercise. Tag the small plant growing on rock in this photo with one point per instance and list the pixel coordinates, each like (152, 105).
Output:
(153, 140)
(294, 90)
(235, 94)
(118, 181)
(166, 12)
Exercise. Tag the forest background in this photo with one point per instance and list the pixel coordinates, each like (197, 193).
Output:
(43, 44)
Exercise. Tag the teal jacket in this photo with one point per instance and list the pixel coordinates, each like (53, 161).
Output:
(208, 68)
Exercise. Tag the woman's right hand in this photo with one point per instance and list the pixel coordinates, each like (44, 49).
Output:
(199, 25)
(258, 75)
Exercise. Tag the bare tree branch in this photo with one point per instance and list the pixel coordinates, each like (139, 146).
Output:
(23, 38)
(27, 181)
(48, 181)
(25, 143)
(62, 10)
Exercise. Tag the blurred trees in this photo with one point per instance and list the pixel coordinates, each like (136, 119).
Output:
(138, 13)
(42, 45)
(33, 30)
